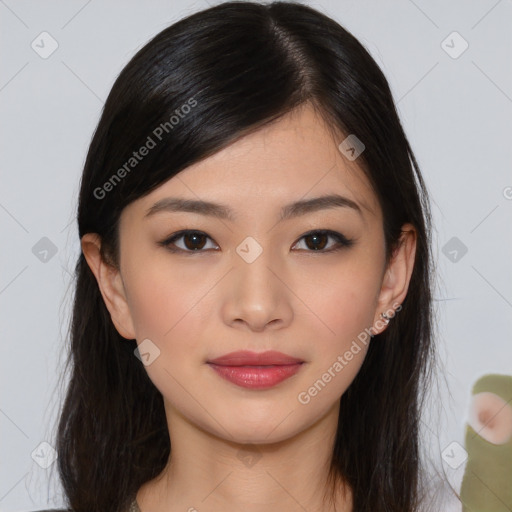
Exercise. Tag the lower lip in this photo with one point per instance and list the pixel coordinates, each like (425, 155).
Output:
(256, 377)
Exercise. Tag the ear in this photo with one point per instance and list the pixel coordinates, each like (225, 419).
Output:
(110, 284)
(396, 278)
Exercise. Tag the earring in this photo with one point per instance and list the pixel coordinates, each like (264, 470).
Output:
(385, 317)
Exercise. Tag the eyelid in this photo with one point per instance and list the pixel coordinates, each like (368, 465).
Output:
(342, 241)
(180, 234)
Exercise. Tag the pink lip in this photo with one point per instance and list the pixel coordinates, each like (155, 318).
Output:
(256, 370)
(247, 358)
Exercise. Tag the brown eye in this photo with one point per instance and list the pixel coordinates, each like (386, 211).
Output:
(315, 241)
(319, 240)
(193, 241)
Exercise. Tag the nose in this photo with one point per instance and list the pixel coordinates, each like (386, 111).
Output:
(257, 297)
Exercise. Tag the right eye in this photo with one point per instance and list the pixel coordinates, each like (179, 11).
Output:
(193, 241)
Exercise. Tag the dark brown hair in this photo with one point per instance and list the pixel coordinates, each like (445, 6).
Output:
(245, 65)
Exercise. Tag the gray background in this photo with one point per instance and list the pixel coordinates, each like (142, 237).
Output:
(456, 113)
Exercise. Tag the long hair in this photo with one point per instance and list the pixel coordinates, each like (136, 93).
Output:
(195, 88)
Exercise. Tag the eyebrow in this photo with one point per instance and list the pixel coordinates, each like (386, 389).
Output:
(221, 211)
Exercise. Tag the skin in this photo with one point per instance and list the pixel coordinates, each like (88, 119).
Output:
(304, 302)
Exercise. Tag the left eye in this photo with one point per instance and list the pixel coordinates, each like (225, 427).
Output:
(316, 241)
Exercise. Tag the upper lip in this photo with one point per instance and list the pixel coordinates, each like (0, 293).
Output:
(247, 358)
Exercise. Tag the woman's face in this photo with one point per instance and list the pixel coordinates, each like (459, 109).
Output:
(259, 278)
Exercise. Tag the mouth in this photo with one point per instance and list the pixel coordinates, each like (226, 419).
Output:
(254, 370)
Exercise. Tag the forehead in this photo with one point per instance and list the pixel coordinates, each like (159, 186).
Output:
(296, 157)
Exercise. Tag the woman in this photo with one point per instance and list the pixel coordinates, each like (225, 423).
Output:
(252, 326)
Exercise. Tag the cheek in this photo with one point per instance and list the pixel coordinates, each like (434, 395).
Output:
(345, 292)
(168, 308)
(343, 303)
(163, 299)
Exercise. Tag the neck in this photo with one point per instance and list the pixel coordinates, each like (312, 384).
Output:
(206, 472)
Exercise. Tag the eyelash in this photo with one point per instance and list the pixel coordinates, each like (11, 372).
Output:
(342, 241)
